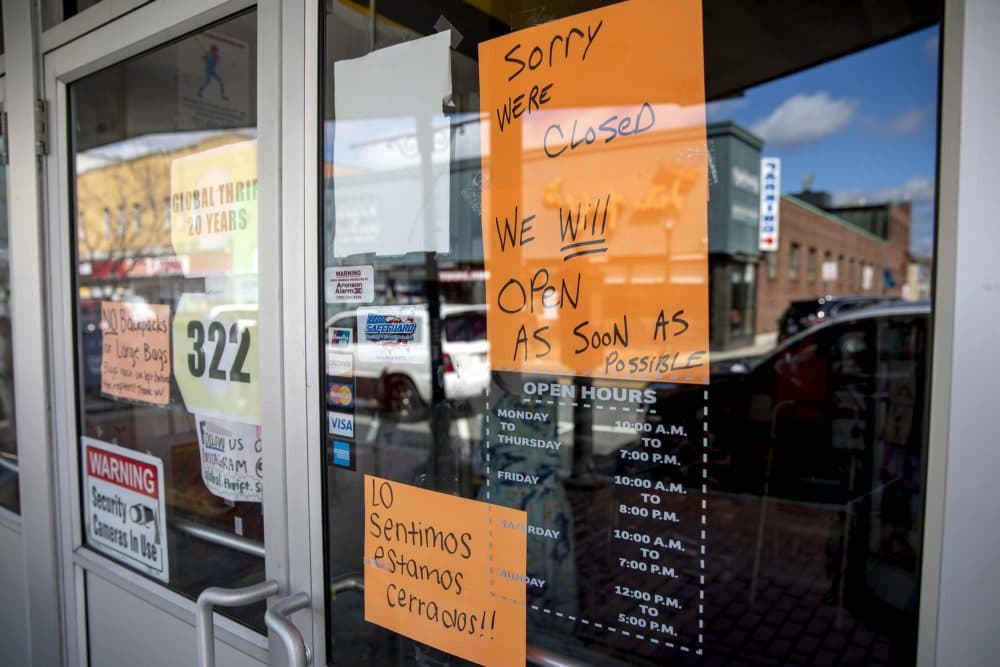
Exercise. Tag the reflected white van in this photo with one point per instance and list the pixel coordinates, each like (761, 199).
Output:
(390, 346)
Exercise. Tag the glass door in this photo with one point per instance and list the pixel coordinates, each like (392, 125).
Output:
(158, 265)
(580, 403)
(165, 210)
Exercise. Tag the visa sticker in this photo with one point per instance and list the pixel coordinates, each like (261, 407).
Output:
(339, 395)
(340, 423)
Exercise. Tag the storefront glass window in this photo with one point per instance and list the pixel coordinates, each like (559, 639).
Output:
(165, 204)
(529, 216)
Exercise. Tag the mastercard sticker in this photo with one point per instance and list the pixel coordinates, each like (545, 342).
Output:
(339, 395)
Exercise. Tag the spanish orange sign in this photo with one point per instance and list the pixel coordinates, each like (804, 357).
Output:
(595, 190)
(135, 359)
(446, 571)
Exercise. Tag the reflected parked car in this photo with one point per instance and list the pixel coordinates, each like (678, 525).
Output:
(829, 431)
(801, 315)
(835, 386)
(397, 374)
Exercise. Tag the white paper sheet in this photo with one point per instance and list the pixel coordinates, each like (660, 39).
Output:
(392, 149)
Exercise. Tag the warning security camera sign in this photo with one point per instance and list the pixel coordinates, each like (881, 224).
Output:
(124, 506)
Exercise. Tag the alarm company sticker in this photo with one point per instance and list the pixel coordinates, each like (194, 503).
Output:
(124, 506)
(349, 284)
(341, 424)
(232, 459)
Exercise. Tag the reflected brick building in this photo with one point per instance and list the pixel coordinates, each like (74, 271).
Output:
(865, 248)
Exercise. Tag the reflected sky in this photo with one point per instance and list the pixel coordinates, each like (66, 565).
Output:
(863, 126)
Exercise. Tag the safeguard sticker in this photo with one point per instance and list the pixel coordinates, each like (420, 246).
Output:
(391, 334)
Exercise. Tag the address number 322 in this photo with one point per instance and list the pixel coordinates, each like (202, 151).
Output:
(218, 342)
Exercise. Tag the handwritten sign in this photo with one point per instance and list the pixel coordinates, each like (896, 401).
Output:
(135, 359)
(595, 213)
(446, 571)
(232, 459)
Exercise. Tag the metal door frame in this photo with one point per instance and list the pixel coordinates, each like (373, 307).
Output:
(301, 150)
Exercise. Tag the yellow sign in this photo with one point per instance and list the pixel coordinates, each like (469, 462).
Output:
(446, 571)
(218, 362)
(595, 222)
(135, 359)
(213, 209)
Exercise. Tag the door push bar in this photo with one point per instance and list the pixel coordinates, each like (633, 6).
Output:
(224, 597)
(276, 618)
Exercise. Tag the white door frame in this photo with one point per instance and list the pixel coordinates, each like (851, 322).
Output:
(39, 534)
(299, 295)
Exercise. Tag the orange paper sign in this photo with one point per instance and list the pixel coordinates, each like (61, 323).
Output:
(595, 194)
(135, 359)
(446, 571)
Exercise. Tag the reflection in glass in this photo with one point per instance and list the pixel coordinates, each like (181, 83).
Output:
(9, 488)
(165, 211)
(813, 447)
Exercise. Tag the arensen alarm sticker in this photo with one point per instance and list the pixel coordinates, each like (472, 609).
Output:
(349, 284)
(124, 506)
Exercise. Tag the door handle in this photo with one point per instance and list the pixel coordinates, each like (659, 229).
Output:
(276, 618)
(224, 597)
